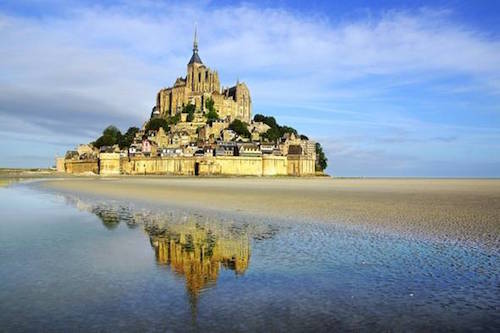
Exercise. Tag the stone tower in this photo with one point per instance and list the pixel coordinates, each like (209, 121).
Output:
(200, 79)
(200, 84)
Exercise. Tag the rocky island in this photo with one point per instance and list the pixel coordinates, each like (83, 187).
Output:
(197, 127)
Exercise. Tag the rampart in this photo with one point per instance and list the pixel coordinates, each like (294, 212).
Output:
(79, 166)
(266, 165)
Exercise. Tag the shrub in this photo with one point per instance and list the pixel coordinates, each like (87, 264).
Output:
(189, 109)
(155, 124)
(174, 120)
(212, 114)
(321, 160)
(110, 136)
(276, 131)
(128, 137)
(239, 128)
(104, 140)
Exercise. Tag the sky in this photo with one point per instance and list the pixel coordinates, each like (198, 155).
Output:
(388, 88)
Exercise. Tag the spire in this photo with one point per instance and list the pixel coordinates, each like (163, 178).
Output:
(195, 42)
(195, 58)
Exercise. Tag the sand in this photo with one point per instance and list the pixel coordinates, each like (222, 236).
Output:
(453, 209)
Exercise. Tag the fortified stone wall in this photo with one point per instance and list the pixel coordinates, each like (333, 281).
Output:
(208, 166)
(300, 166)
(109, 164)
(80, 166)
(274, 165)
(267, 165)
(159, 165)
(240, 166)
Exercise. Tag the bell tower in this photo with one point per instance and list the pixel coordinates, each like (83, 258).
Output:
(193, 65)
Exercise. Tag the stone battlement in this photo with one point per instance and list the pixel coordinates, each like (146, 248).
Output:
(266, 165)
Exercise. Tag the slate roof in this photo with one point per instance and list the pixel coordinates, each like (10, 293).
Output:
(195, 58)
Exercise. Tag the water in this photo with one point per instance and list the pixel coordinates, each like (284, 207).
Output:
(70, 263)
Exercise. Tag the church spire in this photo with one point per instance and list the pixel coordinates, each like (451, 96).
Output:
(195, 58)
(195, 42)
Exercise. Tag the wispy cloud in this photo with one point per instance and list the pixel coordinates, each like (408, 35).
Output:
(83, 67)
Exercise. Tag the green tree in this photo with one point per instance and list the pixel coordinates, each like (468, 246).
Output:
(272, 134)
(209, 104)
(321, 160)
(127, 138)
(113, 132)
(239, 128)
(155, 124)
(276, 131)
(110, 136)
(104, 140)
(172, 120)
(269, 121)
(259, 117)
(189, 109)
(287, 129)
(212, 114)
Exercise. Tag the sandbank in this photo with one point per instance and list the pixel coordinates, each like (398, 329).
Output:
(453, 209)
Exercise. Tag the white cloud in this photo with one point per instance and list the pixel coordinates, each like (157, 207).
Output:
(112, 60)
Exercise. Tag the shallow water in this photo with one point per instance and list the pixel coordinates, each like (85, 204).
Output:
(78, 263)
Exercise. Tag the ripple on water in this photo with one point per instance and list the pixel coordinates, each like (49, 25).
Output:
(237, 275)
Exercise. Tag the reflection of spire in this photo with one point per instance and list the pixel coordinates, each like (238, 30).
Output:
(197, 253)
(194, 249)
(193, 304)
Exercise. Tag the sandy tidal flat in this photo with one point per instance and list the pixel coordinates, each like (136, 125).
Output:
(465, 210)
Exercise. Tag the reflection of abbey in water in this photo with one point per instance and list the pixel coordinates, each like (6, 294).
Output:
(198, 252)
(193, 247)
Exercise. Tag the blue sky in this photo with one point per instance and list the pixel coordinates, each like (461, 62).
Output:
(388, 88)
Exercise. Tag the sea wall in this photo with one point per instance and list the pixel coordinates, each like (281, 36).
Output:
(239, 166)
(109, 164)
(267, 165)
(158, 165)
(274, 165)
(79, 166)
(300, 166)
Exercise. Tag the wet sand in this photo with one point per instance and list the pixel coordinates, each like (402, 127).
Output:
(452, 209)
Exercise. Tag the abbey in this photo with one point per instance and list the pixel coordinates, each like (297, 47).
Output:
(200, 84)
(198, 128)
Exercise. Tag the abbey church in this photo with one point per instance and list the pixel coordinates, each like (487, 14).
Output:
(200, 84)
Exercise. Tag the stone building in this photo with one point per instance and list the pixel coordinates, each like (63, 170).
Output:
(193, 143)
(200, 84)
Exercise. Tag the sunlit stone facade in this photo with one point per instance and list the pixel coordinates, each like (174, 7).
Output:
(200, 84)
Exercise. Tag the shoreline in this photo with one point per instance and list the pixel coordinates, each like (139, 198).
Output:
(454, 209)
